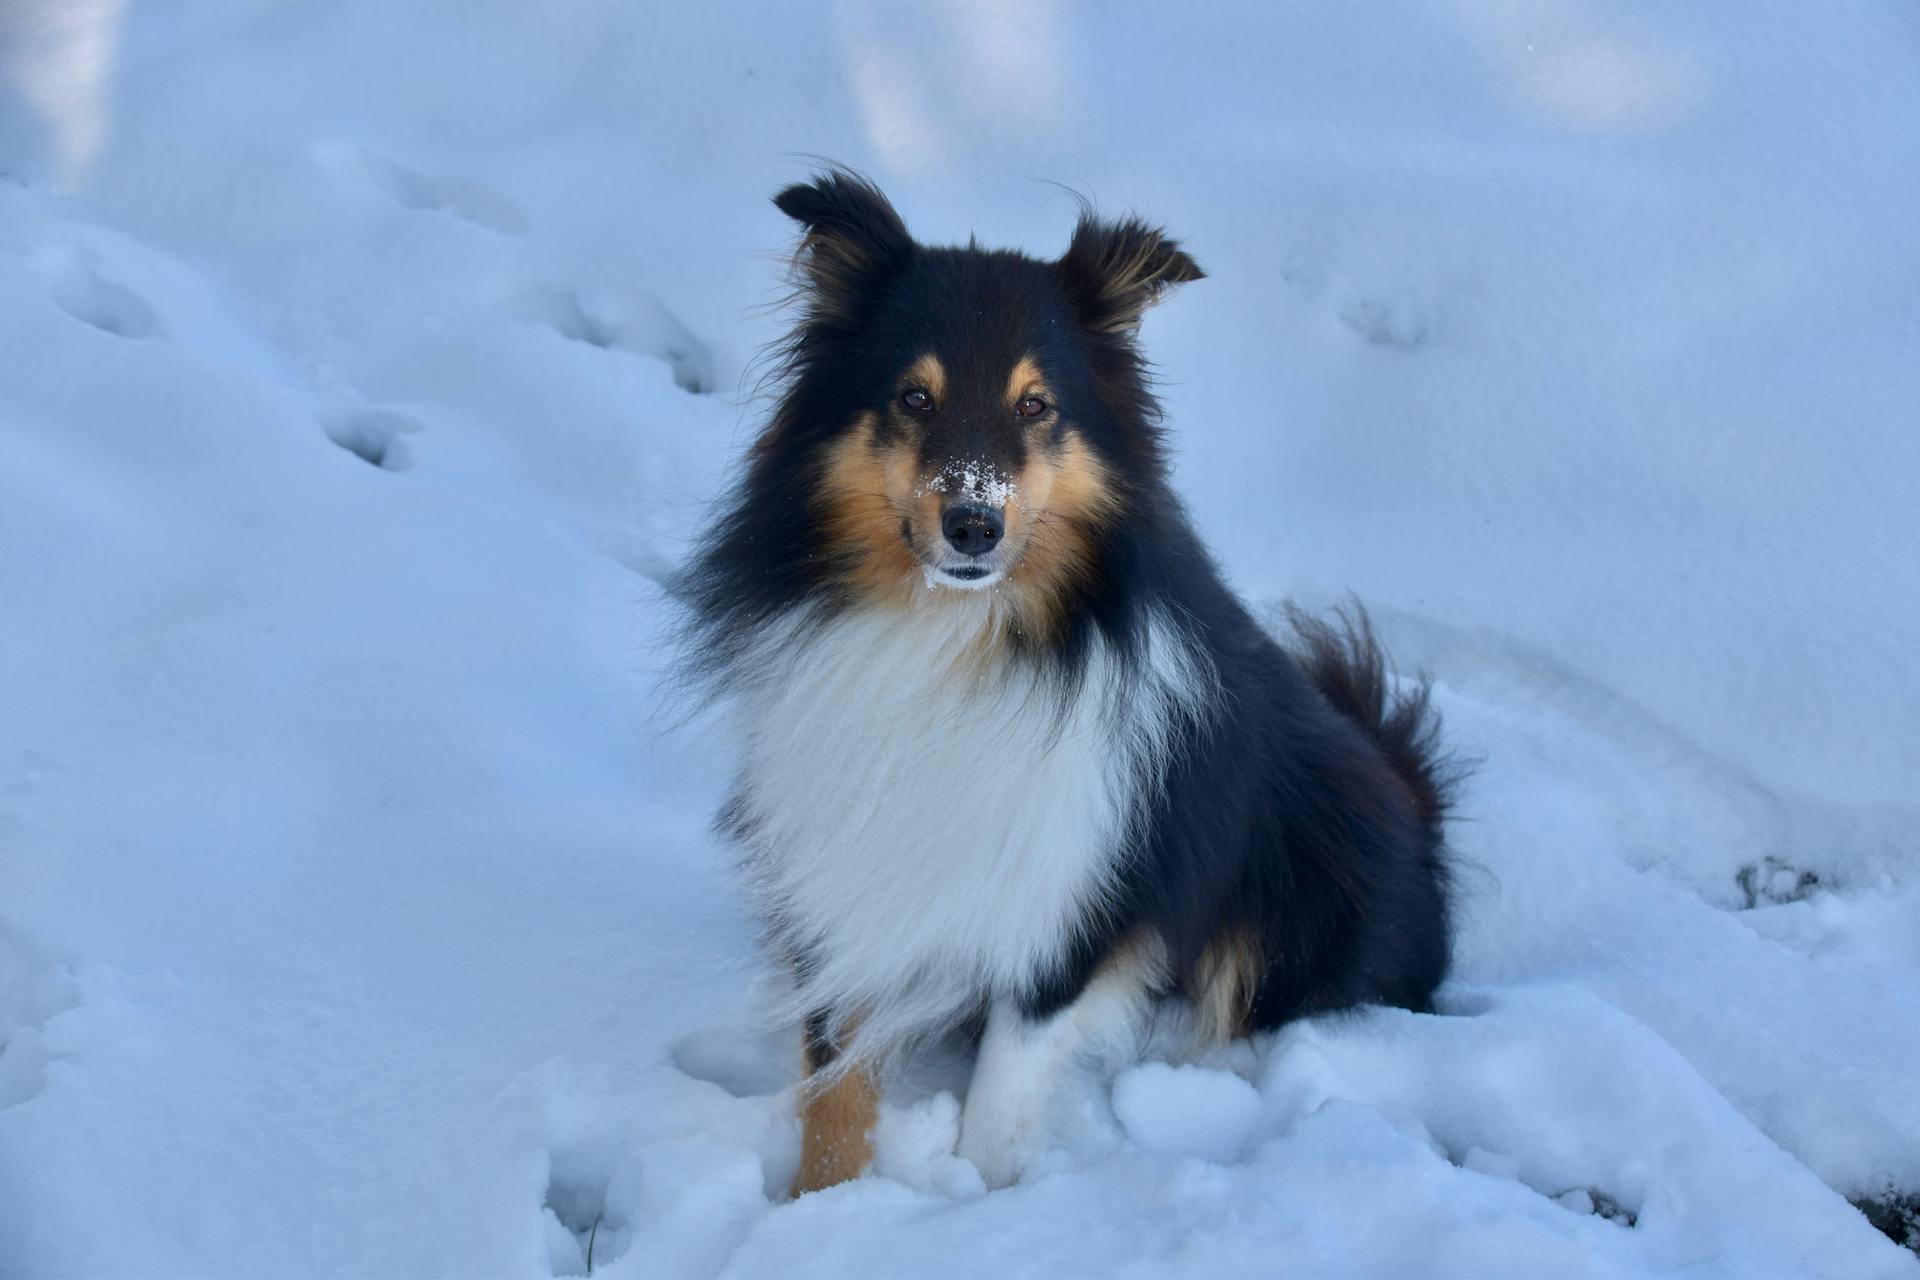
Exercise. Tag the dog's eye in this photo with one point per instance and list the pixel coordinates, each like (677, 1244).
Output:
(1031, 407)
(917, 400)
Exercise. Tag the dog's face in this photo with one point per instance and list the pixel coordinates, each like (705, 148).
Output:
(970, 416)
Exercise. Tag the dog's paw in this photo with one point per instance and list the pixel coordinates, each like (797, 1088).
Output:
(995, 1141)
(999, 1163)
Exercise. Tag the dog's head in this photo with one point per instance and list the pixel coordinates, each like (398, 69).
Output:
(968, 419)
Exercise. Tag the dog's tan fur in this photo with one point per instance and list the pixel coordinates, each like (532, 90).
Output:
(836, 1130)
(881, 507)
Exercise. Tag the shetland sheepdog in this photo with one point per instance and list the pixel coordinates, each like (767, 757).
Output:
(1015, 757)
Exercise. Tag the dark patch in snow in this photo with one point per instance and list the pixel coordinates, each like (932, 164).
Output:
(1605, 1206)
(1773, 882)
(91, 298)
(1592, 1200)
(1895, 1214)
(376, 436)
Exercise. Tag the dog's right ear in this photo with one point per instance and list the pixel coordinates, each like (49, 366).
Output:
(854, 241)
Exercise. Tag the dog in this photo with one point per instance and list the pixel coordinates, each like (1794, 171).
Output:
(1015, 756)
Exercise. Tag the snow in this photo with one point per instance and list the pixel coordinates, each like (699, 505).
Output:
(978, 477)
(364, 368)
(1186, 1111)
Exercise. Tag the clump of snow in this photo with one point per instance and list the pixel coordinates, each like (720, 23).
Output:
(913, 1145)
(362, 914)
(1187, 1110)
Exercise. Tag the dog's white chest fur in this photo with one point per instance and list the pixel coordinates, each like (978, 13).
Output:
(926, 833)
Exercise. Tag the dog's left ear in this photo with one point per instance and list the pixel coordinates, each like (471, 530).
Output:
(1114, 271)
(854, 241)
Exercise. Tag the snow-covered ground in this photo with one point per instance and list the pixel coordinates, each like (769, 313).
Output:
(363, 367)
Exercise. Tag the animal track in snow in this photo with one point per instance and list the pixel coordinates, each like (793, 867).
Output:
(1598, 1203)
(746, 1064)
(1376, 300)
(462, 198)
(1772, 882)
(31, 997)
(1579, 1199)
(681, 1204)
(82, 292)
(638, 324)
(376, 436)
(581, 1231)
(1395, 325)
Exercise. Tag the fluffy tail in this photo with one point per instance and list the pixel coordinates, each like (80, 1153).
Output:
(1343, 660)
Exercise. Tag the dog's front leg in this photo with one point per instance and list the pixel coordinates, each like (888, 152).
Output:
(1028, 1047)
(1019, 1066)
(838, 1108)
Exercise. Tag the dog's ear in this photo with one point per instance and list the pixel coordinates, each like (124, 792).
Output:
(1114, 271)
(853, 242)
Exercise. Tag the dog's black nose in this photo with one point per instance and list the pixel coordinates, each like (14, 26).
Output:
(972, 530)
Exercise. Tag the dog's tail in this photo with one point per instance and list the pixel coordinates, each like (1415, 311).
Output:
(1343, 660)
